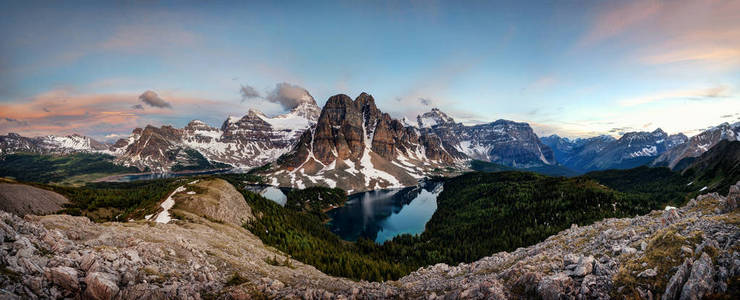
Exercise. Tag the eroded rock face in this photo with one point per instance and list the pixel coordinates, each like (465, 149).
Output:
(357, 147)
(677, 281)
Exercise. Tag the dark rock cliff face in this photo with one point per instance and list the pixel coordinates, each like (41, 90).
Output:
(346, 127)
(356, 146)
(340, 128)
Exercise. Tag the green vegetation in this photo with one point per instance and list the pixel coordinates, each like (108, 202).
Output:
(652, 185)
(717, 168)
(484, 166)
(315, 200)
(59, 168)
(478, 214)
(483, 213)
(303, 236)
(116, 201)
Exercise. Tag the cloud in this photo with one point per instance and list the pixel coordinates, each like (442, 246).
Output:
(425, 101)
(695, 94)
(248, 92)
(613, 21)
(621, 130)
(726, 116)
(9, 123)
(137, 106)
(288, 95)
(152, 99)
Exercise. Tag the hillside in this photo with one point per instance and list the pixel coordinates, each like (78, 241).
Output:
(689, 253)
(717, 168)
(23, 199)
(71, 168)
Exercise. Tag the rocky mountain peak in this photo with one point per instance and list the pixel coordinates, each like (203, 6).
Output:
(198, 125)
(435, 117)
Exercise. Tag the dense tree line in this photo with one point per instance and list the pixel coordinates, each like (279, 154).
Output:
(57, 168)
(315, 200)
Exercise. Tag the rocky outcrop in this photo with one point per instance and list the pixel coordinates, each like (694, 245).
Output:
(21, 199)
(215, 199)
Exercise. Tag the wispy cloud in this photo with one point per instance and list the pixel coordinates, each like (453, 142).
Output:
(693, 94)
(617, 18)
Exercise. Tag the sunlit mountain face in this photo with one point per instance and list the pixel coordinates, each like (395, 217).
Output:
(370, 150)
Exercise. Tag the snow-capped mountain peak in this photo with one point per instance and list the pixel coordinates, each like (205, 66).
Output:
(435, 117)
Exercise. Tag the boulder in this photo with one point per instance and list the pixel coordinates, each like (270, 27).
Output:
(101, 286)
(700, 281)
(555, 286)
(64, 277)
(585, 266)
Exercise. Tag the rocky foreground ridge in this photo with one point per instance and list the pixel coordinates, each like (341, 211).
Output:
(685, 253)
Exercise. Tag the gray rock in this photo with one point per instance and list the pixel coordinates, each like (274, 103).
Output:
(585, 266)
(700, 281)
(629, 250)
(101, 286)
(673, 289)
(64, 277)
(555, 286)
(648, 273)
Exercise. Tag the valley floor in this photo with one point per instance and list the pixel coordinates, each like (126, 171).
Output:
(685, 253)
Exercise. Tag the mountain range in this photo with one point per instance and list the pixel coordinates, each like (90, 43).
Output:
(352, 144)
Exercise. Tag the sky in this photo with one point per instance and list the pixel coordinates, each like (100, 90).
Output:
(574, 68)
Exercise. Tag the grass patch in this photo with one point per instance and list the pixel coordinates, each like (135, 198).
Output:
(663, 254)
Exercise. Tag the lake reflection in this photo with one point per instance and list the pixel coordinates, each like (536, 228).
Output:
(151, 176)
(381, 215)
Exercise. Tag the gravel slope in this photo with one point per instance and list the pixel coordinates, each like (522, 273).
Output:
(21, 199)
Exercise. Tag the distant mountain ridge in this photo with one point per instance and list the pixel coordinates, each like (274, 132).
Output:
(698, 144)
(354, 145)
(604, 152)
(50, 144)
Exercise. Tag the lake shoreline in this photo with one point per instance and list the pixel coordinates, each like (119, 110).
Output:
(117, 177)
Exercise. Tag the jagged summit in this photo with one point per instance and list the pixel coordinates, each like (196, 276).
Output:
(435, 117)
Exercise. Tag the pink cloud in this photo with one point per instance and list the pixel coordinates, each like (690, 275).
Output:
(63, 112)
(616, 20)
(701, 33)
